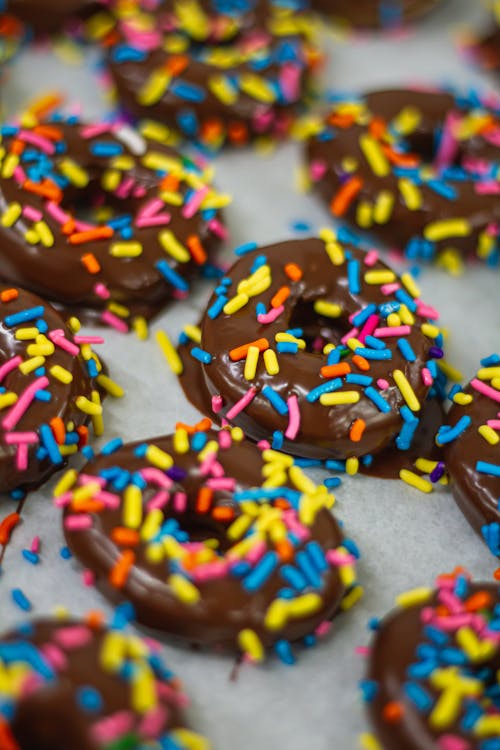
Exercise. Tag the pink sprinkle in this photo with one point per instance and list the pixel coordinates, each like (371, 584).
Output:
(108, 499)
(225, 439)
(125, 187)
(218, 229)
(73, 637)
(487, 187)
(270, 317)
(351, 334)
(112, 727)
(78, 523)
(493, 136)
(323, 628)
(151, 208)
(427, 378)
(159, 500)
(28, 136)
(32, 214)
(222, 484)
(22, 457)
(153, 722)
(88, 578)
(318, 169)
(92, 131)
(154, 221)
(448, 144)
(210, 571)
(217, 403)
(180, 502)
(486, 390)
(293, 418)
(57, 213)
(114, 321)
(362, 650)
(290, 82)
(85, 479)
(494, 424)
(263, 445)
(54, 656)
(395, 331)
(23, 403)
(450, 601)
(339, 559)
(206, 464)
(371, 258)
(63, 500)
(426, 311)
(388, 289)
(12, 438)
(382, 384)
(291, 520)
(9, 366)
(192, 206)
(156, 476)
(19, 175)
(102, 291)
(88, 340)
(256, 552)
(58, 339)
(369, 327)
(242, 403)
(35, 545)
(452, 742)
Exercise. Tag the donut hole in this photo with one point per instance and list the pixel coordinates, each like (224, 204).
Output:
(318, 330)
(203, 527)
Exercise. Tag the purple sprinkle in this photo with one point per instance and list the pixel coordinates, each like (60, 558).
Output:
(436, 353)
(176, 474)
(437, 473)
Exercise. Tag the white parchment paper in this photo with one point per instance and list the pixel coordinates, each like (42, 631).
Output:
(406, 538)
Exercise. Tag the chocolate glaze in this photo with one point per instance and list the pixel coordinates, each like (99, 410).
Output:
(480, 210)
(374, 13)
(50, 15)
(63, 396)
(249, 37)
(224, 608)
(49, 717)
(476, 494)
(58, 272)
(393, 651)
(486, 50)
(324, 431)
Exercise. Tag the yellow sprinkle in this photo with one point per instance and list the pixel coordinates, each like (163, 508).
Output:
(430, 330)
(140, 326)
(126, 249)
(364, 214)
(352, 465)
(485, 246)
(154, 88)
(476, 649)
(276, 615)
(374, 155)
(236, 303)
(7, 399)
(414, 597)
(354, 343)
(212, 446)
(407, 120)
(288, 338)
(335, 253)
(489, 434)
(277, 458)
(97, 420)
(393, 320)
(250, 643)
(237, 434)
(113, 651)
(352, 597)
(251, 362)
(87, 406)
(152, 524)
(86, 492)
(347, 575)
(341, 397)
(239, 527)
(487, 726)
(193, 333)
(11, 214)
(155, 553)
(257, 87)
(406, 317)
(271, 362)
(31, 364)
(74, 172)
(410, 193)
(183, 589)
(170, 352)
(409, 477)
(44, 232)
(26, 334)
(451, 260)
(451, 372)
(143, 697)
(328, 309)
(488, 373)
(406, 390)
(425, 465)
(61, 374)
(384, 205)
(223, 89)
(66, 482)
(181, 440)
(443, 230)
(369, 742)
(410, 284)
(173, 247)
(301, 480)
(114, 390)
(190, 740)
(380, 277)
(121, 310)
(159, 458)
(304, 605)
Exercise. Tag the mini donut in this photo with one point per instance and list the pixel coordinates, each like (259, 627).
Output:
(49, 389)
(472, 450)
(213, 76)
(417, 169)
(342, 350)
(385, 14)
(432, 669)
(156, 224)
(78, 684)
(211, 541)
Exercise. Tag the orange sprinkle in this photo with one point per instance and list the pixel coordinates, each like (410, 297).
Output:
(177, 64)
(345, 196)
(7, 741)
(99, 233)
(237, 132)
(91, 263)
(87, 505)
(393, 712)
(83, 432)
(17, 147)
(282, 503)
(479, 600)
(357, 429)
(335, 371)
(496, 574)
(202, 426)
(442, 611)
(120, 571)
(125, 537)
(9, 294)
(68, 227)
(58, 430)
(281, 296)
(377, 127)
(94, 619)
(212, 130)
(170, 183)
(285, 550)
(204, 499)
(241, 351)
(7, 526)
(46, 189)
(223, 513)
(400, 160)
(361, 363)
(51, 132)
(341, 121)
(196, 249)
(293, 271)
(46, 105)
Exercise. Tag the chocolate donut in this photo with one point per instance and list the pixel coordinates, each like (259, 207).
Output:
(417, 169)
(49, 381)
(472, 450)
(78, 684)
(385, 14)
(211, 541)
(432, 676)
(318, 347)
(213, 73)
(50, 15)
(155, 227)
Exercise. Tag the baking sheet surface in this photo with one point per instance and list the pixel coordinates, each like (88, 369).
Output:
(406, 538)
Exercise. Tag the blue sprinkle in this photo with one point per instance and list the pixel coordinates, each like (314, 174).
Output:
(353, 279)
(215, 310)
(30, 556)
(111, 446)
(491, 361)
(328, 387)
(294, 577)
(246, 248)
(374, 343)
(363, 380)
(334, 356)
(49, 442)
(24, 316)
(308, 569)
(187, 91)
(262, 571)
(379, 401)
(44, 396)
(65, 553)
(89, 699)
(419, 696)
(198, 441)
(21, 600)
(317, 556)
(201, 355)
(284, 651)
(491, 535)
(332, 482)
(406, 350)
(106, 149)
(171, 276)
(362, 316)
(275, 400)
(374, 354)
(485, 468)
(369, 689)
(287, 347)
(259, 261)
(278, 440)
(447, 434)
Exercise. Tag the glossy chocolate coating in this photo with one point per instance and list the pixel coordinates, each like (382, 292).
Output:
(225, 607)
(49, 716)
(479, 208)
(476, 494)
(324, 431)
(374, 13)
(63, 396)
(50, 15)
(393, 651)
(249, 42)
(135, 282)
